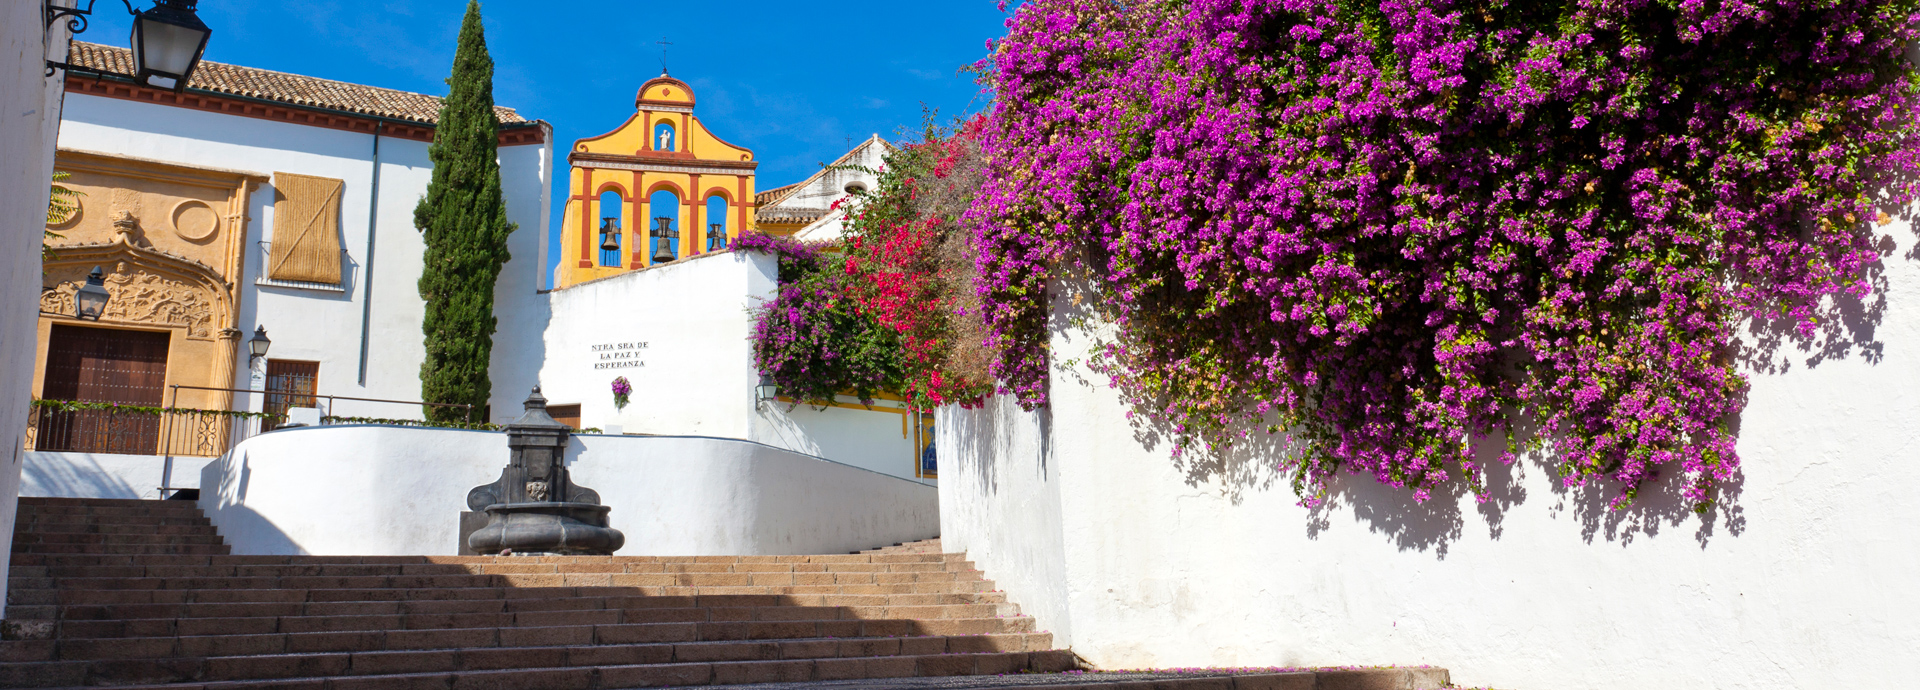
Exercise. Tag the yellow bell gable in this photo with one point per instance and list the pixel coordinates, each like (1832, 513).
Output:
(663, 169)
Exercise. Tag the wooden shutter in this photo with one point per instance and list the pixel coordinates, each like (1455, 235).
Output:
(306, 229)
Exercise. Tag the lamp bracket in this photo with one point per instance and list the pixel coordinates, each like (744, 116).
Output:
(76, 24)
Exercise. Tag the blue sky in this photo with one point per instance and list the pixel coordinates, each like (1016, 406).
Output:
(794, 81)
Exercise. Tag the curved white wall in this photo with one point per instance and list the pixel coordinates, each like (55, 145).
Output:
(381, 490)
(1802, 579)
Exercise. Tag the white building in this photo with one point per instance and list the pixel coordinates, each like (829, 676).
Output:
(255, 199)
(812, 210)
(262, 200)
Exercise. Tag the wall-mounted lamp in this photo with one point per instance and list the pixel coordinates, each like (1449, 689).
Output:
(663, 239)
(168, 40)
(90, 301)
(766, 392)
(258, 344)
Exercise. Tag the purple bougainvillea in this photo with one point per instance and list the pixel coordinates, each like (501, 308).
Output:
(1386, 227)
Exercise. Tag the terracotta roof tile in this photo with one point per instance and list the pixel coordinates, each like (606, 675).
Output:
(280, 87)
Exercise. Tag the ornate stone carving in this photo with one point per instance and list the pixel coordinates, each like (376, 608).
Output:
(144, 297)
(126, 230)
(194, 220)
(536, 491)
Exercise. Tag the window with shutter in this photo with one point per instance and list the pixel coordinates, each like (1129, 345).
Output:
(306, 229)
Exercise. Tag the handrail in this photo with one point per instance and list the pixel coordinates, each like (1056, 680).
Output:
(468, 406)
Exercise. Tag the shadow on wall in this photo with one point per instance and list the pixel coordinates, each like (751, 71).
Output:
(76, 475)
(1847, 328)
(225, 505)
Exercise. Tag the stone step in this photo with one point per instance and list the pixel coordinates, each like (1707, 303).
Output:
(125, 548)
(114, 540)
(37, 651)
(658, 606)
(519, 621)
(800, 563)
(124, 626)
(47, 501)
(165, 642)
(700, 580)
(503, 598)
(109, 528)
(923, 546)
(178, 510)
(522, 671)
(1387, 678)
(802, 573)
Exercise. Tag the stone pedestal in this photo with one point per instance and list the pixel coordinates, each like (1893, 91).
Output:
(535, 508)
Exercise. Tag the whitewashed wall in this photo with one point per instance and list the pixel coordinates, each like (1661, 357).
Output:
(831, 185)
(680, 333)
(1802, 579)
(29, 124)
(315, 325)
(106, 475)
(378, 490)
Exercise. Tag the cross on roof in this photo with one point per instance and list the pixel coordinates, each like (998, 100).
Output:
(663, 53)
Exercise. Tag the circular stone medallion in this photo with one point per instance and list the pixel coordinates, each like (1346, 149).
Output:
(194, 220)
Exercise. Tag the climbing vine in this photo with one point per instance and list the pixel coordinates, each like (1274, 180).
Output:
(1385, 228)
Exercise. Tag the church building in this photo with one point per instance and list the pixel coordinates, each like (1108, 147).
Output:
(659, 187)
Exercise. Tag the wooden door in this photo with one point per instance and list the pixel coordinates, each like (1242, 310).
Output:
(290, 384)
(106, 366)
(565, 414)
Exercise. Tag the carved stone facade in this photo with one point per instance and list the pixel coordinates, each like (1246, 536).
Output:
(169, 241)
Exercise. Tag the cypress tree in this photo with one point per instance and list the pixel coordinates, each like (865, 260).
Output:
(463, 220)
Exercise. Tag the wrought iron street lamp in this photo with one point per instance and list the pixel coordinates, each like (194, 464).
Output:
(258, 344)
(168, 40)
(90, 301)
(662, 239)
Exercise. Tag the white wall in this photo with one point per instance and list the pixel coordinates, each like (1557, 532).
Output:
(315, 325)
(689, 359)
(1801, 579)
(106, 475)
(831, 185)
(681, 335)
(879, 439)
(377, 490)
(29, 123)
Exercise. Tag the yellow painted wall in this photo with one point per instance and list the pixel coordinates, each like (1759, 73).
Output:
(694, 145)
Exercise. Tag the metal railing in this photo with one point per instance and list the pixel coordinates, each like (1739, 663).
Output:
(184, 432)
(176, 431)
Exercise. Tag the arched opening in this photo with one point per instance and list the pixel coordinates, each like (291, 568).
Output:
(610, 234)
(717, 235)
(663, 226)
(855, 187)
(664, 137)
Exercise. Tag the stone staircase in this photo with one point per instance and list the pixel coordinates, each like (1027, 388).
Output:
(144, 594)
(923, 546)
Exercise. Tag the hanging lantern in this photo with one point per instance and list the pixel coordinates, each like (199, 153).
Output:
(90, 301)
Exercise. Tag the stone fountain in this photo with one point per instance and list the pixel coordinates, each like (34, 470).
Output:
(535, 508)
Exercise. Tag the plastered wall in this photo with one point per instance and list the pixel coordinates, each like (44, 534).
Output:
(1800, 579)
(29, 124)
(320, 325)
(378, 490)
